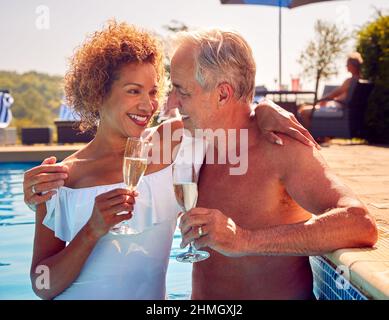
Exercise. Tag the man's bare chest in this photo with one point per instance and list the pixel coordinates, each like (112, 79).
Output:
(247, 199)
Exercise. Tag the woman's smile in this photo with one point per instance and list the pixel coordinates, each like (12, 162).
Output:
(140, 120)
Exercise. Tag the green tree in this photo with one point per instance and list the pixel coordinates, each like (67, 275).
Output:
(319, 59)
(373, 44)
(37, 97)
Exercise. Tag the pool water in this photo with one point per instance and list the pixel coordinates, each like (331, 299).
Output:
(17, 234)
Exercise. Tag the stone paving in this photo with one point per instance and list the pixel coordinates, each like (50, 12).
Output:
(365, 169)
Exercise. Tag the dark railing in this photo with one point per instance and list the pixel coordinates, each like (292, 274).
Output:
(286, 99)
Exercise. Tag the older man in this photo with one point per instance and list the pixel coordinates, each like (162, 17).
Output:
(260, 226)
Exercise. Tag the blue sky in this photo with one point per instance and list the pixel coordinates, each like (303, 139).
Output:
(24, 46)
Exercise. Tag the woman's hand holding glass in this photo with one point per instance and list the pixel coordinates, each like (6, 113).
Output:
(134, 167)
(105, 211)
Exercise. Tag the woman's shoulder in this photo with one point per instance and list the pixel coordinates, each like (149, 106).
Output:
(76, 156)
(74, 165)
(72, 162)
(85, 170)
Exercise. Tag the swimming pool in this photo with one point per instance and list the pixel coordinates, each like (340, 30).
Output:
(17, 234)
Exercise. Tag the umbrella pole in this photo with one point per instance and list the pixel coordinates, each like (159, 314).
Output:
(279, 45)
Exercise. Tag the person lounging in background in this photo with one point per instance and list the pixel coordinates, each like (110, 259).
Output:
(336, 98)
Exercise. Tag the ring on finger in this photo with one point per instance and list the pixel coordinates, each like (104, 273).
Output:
(34, 192)
(200, 231)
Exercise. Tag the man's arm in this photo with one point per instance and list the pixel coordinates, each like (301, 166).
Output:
(339, 219)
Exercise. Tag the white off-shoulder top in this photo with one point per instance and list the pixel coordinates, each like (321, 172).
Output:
(122, 266)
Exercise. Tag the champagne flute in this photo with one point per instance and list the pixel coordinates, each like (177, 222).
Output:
(185, 190)
(134, 167)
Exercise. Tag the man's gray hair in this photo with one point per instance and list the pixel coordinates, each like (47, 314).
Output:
(222, 56)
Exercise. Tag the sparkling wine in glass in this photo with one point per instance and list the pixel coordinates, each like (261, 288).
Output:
(185, 190)
(134, 167)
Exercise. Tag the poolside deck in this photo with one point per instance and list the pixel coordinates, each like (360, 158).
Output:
(364, 168)
(36, 153)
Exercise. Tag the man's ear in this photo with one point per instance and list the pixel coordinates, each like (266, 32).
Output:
(225, 93)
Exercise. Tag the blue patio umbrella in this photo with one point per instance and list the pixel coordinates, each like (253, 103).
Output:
(280, 4)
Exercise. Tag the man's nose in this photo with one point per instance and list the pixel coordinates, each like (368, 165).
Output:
(172, 102)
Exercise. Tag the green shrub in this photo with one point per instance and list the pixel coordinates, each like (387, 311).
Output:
(373, 44)
(37, 97)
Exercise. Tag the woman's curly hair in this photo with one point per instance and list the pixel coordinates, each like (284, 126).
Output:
(96, 63)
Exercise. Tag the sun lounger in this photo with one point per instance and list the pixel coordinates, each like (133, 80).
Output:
(347, 122)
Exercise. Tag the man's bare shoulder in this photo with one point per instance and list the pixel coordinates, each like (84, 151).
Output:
(292, 155)
(293, 148)
(290, 146)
